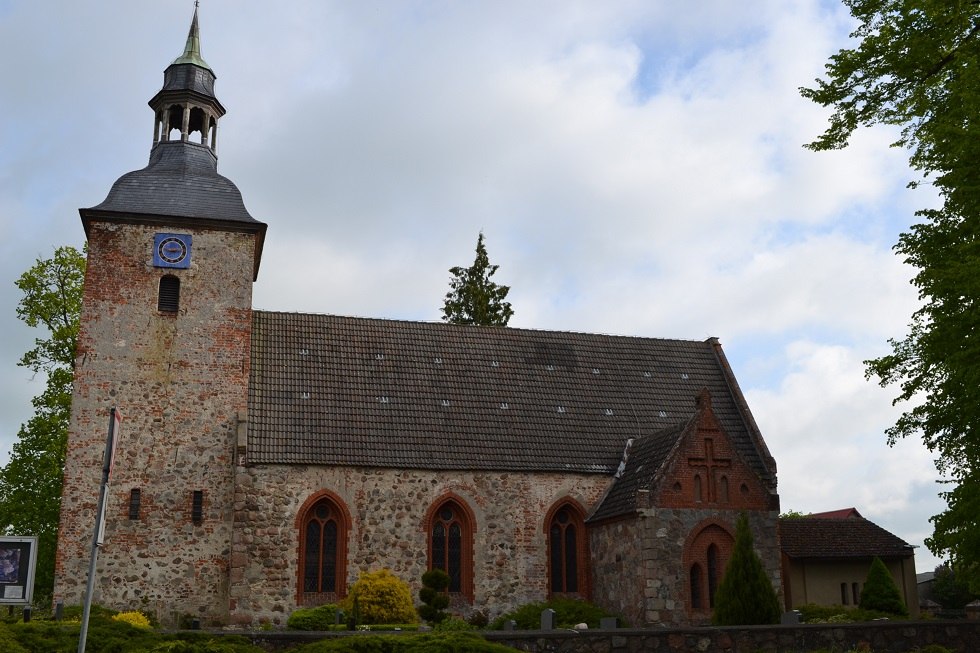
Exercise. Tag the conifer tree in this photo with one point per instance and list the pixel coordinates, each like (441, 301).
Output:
(473, 298)
(745, 595)
(880, 591)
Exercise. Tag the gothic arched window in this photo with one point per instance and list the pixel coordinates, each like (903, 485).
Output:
(450, 535)
(706, 553)
(323, 527)
(567, 549)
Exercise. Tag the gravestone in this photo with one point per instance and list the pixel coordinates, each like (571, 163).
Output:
(547, 619)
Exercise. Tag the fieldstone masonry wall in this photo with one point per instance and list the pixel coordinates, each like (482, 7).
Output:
(388, 508)
(180, 382)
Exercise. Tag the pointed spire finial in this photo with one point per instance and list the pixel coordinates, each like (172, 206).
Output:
(192, 50)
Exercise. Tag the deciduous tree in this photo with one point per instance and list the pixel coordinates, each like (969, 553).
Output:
(473, 298)
(30, 483)
(917, 66)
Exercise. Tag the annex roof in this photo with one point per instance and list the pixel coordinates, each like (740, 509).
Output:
(834, 538)
(330, 390)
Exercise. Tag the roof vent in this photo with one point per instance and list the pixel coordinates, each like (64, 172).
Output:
(595, 370)
(303, 352)
(609, 411)
(438, 361)
(647, 375)
(551, 368)
(663, 414)
(684, 376)
(445, 402)
(305, 395)
(379, 357)
(503, 405)
(495, 364)
(561, 409)
(383, 399)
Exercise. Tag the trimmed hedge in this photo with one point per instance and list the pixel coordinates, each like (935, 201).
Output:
(568, 613)
(454, 642)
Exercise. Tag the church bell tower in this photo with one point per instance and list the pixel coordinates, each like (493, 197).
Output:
(165, 339)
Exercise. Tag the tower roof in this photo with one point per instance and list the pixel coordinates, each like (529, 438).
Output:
(192, 50)
(181, 184)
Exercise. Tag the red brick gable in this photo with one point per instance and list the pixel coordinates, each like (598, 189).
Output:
(704, 470)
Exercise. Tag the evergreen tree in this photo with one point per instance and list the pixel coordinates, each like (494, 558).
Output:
(473, 298)
(880, 592)
(30, 483)
(950, 590)
(917, 66)
(745, 595)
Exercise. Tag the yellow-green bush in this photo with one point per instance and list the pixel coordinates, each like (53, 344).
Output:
(380, 597)
(133, 618)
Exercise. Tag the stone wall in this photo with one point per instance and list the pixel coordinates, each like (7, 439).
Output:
(180, 382)
(387, 509)
(656, 589)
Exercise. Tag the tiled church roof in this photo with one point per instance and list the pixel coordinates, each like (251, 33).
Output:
(830, 538)
(646, 456)
(331, 390)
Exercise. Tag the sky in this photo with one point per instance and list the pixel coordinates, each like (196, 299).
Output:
(637, 168)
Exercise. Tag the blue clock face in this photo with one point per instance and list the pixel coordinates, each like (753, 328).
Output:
(172, 250)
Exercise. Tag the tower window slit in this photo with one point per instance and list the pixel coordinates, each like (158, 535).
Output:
(168, 301)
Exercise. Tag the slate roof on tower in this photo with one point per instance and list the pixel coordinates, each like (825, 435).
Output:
(181, 186)
(330, 390)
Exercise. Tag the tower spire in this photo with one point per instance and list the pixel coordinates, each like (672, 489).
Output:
(192, 50)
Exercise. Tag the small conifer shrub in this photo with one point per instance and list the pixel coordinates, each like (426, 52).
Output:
(133, 618)
(745, 595)
(433, 596)
(880, 591)
(380, 597)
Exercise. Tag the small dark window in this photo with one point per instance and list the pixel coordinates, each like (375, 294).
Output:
(169, 299)
(856, 593)
(696, 587)
(843, 594)
(197, 507)
(134, 503)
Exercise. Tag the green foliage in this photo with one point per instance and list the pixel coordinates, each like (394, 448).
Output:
(30, 482)
(380, 597)
(838, 614)
(322, 617)
(793, 514)
(133, 618)
(453, 624)
(568, 612)
(745, 595)
(8, 642)
(917, 66)
(950, 589)
(451, 642)
(433, 596)
(473, 298)
(880, 591)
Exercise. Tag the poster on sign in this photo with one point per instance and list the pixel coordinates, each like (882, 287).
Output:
(18, 559)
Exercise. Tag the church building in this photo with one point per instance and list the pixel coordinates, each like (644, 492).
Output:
(266, 459)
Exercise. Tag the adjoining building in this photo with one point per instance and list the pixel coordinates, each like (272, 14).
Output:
(827, 556)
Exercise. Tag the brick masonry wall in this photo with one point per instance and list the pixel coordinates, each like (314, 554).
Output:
(180, 382)
(387, 509)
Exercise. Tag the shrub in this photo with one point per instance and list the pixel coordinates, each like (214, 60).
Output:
(321, 617)
(380, 597)
(568, 612)
(451, 624)
(134, 618)
(8, 643)
(745, 595)
(454, 642)
(434, 599)
(880, 591)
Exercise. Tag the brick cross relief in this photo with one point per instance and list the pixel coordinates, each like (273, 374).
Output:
(710, 463)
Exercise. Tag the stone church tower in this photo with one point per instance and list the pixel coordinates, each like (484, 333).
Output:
(165, 338)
